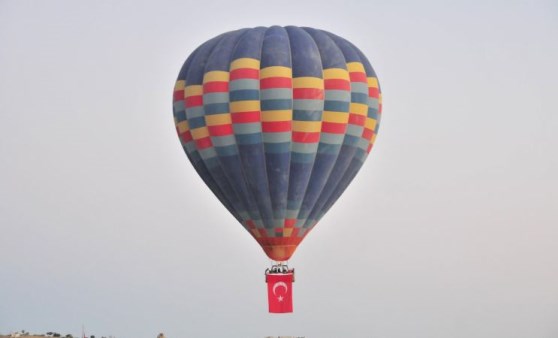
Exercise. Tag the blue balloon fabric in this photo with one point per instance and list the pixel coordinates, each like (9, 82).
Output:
(277, 122)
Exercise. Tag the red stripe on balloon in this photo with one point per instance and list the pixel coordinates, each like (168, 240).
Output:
(293, 240)
(373, 92)
(186, 137)
(216, 87)
(276, 82)
(178, 95)
(250, 223)
(357, 119)
(308, 93)
(220, 130)
(294, 234)
(203, 143)
(337, 84)
(276, 126)
(358, 77)
(290, 222)
(246, 117)
(367, 134)
(244, 73)
(333, 127)
(302, 137)
(194, 101)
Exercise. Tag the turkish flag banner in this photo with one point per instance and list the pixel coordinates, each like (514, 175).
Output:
(280, 292)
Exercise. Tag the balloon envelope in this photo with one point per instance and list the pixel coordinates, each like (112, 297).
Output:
(277, 122)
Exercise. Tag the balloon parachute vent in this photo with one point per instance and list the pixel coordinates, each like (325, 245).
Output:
(279, 279)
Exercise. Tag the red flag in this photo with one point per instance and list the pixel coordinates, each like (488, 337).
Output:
(280, 292)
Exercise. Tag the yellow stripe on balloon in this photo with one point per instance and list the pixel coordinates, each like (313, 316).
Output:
(276, 71)
(182, 126)
(359, 108)
(307, 126)
(200, 133)
(370, 123)
(218, 119)
(256, 233)
(355, 67)
(277, 115)
(243, 106)
(334, 116)
(336, 73)
(179, 85)
(193, 90)
(216, 75)
(373, 82)
(245, 63)
(308, 82)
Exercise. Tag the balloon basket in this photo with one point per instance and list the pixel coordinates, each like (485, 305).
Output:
(279, 281)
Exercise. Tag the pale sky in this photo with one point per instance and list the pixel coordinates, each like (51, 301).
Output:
(449, 230)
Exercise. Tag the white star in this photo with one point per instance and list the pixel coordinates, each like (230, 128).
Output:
(280, 298)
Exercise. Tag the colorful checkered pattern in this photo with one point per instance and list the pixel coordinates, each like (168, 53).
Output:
(277, 122)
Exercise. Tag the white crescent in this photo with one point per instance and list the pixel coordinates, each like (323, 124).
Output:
(279, 284)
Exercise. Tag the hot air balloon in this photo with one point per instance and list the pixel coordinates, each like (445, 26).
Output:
(277, 122)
